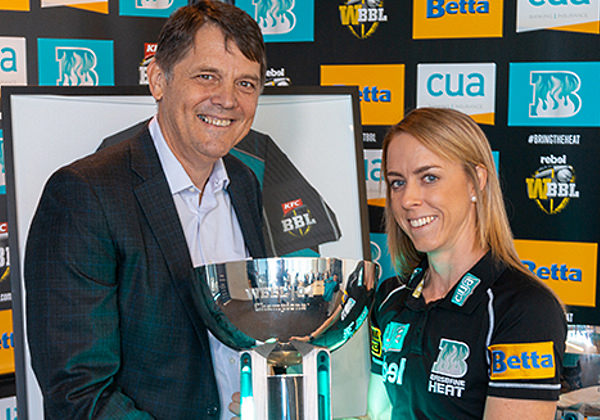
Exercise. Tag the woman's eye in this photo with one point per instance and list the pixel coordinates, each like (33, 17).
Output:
(396, 183)
(430, 178)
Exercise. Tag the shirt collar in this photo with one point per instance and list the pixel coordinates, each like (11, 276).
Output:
(469, 290)
(177, 178)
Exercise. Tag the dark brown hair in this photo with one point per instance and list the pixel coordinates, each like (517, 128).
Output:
(177, 35)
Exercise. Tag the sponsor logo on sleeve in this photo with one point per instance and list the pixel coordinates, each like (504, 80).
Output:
(362, 17)
(568, 268)
(554, 94)
(381, 89)
(376, 341)
(468, 87)
(149, 8)
(13, 68)
(282, 20)
(559, 15)
(437, 19)
(75, 62)
(522, 361)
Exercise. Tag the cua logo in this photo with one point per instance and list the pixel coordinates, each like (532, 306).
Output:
(362, 17)
(439, 8)
(274, 16)
(472, 84)
(554, 94)
(558, 2)
(76, 66)
(8, 59)
(552, 185)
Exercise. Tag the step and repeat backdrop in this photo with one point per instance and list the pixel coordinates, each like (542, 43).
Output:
(528, 71)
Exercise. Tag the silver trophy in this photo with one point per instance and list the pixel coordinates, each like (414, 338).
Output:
(285, 315)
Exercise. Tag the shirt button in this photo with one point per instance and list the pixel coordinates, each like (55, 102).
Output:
(212, 410)
(231, 360)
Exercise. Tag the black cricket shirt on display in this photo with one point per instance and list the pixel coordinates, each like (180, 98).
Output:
(498, 332)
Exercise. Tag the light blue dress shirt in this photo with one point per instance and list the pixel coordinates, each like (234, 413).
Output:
(213, 235)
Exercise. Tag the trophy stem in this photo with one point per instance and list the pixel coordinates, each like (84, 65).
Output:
(285, 397)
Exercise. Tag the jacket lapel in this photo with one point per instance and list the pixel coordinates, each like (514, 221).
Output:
(154, 197)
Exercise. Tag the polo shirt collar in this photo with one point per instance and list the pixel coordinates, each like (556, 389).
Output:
(467, 293)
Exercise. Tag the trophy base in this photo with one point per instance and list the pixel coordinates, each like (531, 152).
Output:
(297, 391)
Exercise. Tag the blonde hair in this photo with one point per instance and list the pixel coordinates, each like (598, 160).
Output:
(454, 136)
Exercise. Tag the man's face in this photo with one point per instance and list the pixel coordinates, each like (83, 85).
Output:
(206, 104)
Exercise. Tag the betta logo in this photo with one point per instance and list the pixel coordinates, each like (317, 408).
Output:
(552, 185)
(76, 66)
(554, 94)
(297, 218)
(362, 17)
(274, 16)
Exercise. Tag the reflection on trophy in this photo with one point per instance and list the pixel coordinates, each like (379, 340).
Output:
(285, 315)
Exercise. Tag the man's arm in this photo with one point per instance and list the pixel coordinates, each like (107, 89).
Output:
(72, 313)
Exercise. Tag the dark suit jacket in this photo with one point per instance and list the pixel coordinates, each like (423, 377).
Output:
(110, 303)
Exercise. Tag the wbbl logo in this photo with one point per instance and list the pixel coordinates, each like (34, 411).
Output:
(275, 16)
(362, 17)
(76, 67)
(75, 62)
(553, 185)
(554, 94)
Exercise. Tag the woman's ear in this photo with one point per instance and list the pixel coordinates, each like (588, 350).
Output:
(482, 175)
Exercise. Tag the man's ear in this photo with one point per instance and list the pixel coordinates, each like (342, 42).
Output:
(156, 80)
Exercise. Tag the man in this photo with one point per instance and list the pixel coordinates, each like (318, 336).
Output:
(113, 329)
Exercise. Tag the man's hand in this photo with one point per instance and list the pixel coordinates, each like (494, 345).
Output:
(234, 405)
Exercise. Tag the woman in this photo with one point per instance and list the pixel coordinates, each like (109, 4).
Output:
(466, 331)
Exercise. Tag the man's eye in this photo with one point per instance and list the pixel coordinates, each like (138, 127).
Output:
(247, 85)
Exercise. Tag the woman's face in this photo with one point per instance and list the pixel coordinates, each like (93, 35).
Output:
(430, 197)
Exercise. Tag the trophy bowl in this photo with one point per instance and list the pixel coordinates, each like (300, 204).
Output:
(285, 315)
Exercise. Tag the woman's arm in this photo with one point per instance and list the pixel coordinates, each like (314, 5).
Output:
(511, 408)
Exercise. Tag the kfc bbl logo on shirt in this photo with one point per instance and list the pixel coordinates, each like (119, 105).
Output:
(362, 17)
(553, 185)
(297, 219)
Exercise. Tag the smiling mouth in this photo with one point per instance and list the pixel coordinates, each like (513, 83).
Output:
(421, 221)
(215, 121)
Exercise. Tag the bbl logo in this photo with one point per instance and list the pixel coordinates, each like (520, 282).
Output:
(553, 185)
(275, 16)
(554, 94)
(362, 17)
(297, 218)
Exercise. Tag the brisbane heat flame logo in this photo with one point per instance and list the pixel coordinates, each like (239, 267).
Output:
(554, 94)
(362, 17)
(76, 67)
(275, 16)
